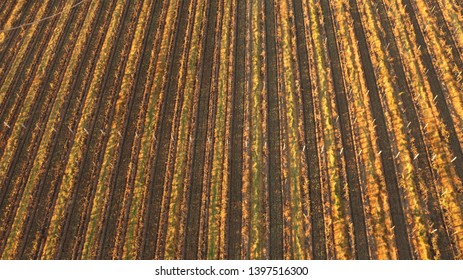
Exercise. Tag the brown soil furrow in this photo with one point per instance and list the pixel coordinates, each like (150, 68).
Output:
(170, 160)
(355, 192)
(191, 248)
(17, 91)
(35, 133)
(72, 110)
(146, 88)
(106, 111)
(141, 119)
(424, 164)
(275, 199)
(6, 12)
(103, 113)
(394, 195)
(11, 192)
(311, 151)
(128, 133)
(14, 39)
(437, 90)
(449, 36)
(236, 156)
(210, 139)
(164, 131)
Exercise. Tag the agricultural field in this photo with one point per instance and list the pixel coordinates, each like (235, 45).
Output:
(231, 129)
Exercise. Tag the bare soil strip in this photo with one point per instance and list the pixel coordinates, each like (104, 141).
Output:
(14, 39)
(190, 250)
(311, 152)
(394, 195)
(274, 161)
(355, 193)
(236, 159)
(152, 215)
(109, 235)
(437, 89)
(12, 193)
(423, 161)
(65, 138)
